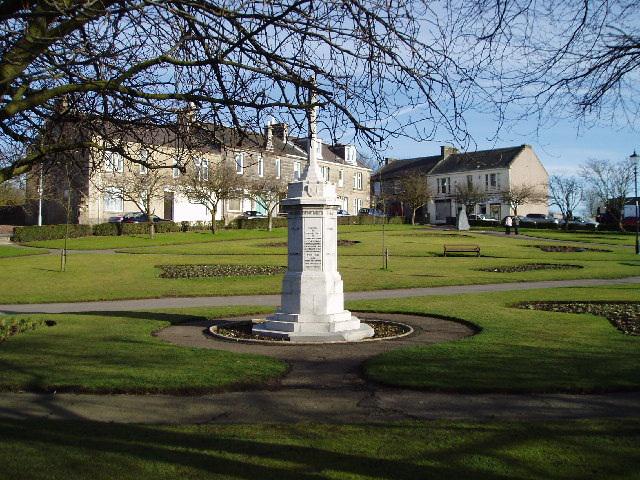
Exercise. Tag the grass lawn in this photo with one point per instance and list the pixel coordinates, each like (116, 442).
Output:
(416, 261)
(9, 251)
(517, 350)
(115, 352)
(594, 449)
(608, 238)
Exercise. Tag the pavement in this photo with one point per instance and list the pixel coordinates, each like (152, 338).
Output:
(274, 300)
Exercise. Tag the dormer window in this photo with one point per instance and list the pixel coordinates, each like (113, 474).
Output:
(350, 154)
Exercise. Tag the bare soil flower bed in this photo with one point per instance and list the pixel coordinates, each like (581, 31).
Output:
(528, 267)
(625, 316)
(341, 243)
(213, 270)
(241, 330)
(567, 248)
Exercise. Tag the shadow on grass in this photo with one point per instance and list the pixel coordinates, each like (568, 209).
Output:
(429, 450)
(172, 318)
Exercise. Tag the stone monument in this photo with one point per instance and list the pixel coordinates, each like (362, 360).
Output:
(462, 222)
(312, 305)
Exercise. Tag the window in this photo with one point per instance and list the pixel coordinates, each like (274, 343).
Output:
(144, 198)
(297, 167)
(444, 185)
(202, 169)
(469, 181)
(144, 157)
(112, 199)
(239, 160)
(493, 181)
(277, 168)
(261, 166)
(359, 181)
(113, 162)
(235, 204)
(325, 173)
(176, 170)
(357, 205)
(341, 178)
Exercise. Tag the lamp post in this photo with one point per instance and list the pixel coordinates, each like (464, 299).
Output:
(634, 158)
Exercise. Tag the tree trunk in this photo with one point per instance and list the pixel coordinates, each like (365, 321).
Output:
(413, 216)
(270, 225)
(152, 228)
(213, 221)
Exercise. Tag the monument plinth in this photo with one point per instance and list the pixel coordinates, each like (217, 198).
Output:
(312, 306)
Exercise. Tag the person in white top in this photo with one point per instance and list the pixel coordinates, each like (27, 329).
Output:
(507, 225)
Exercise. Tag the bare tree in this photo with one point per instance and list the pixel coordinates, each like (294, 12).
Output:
(209, 185)
(12, 193)
(554, 58)
(141, 185)
(518, 195)
(413, 191)
(611, 181)
(267, 192)
(99, 69)
(469, 194)
(566, 193)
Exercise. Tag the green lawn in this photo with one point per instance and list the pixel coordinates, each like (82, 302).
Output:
(9, 251)
(115, 352)
(516, 350)
(607, 238)
(594, 449)
(415, 261)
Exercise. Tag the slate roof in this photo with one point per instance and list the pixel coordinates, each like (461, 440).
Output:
(455, 162)
(480, 160)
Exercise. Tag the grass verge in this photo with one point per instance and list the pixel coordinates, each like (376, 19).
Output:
(594, 449)
(517, 350)
(116, 353)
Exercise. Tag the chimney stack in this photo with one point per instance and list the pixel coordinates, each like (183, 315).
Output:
(388, 160)
(268, 136)
(446, 150)
(281, 131)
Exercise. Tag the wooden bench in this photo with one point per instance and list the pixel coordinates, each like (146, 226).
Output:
(462, 248)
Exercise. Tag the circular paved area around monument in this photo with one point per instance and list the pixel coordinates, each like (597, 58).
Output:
(324, 365)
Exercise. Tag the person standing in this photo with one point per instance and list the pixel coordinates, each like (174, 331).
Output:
(516, 224)
(507, 225)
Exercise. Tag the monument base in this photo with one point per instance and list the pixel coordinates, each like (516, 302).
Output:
(343, 328)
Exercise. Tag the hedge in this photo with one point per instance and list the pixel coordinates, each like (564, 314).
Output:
(258, 223)
(143, 228)
(49, 232)
(368, 220)
(107, 229)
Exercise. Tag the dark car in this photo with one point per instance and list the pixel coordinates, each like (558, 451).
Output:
(630, 222)
(142, 218)
(119, 218)
(371, 212)
(539, 218)
(251, 214)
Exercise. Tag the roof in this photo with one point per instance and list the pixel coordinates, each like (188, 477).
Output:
(480, 160)
(455, 162)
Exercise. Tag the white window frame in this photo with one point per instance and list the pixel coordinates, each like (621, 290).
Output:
(239, 161)
(260, 166)
(341, 178)
(359, 180)
(297, 170)
(493, 180)
(278, 167)
(112, 200)
(144, 157)
(202, 169)
(113, 162)
(175, 171)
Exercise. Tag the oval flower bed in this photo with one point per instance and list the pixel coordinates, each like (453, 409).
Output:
(625, 316)
(341, 243)
(214, 270)
(528, 267)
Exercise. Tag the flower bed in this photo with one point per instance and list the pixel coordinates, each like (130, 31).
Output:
(625, 316)
(13, 326)
(567, 248)
(341, 243)
(528, 267)
(202, 271)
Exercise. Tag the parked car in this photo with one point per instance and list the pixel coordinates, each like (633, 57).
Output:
(343, 213)
(251, 214)
(119, 218)
(142, 218)
(481, 216)
(583, 223)
(539, 218)
(630, 222)
(371, 212)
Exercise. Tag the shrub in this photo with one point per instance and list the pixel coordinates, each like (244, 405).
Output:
(13, 326)
(369, 220)
(107, 229)
(49, 232)
(143, 228)
(259, 223)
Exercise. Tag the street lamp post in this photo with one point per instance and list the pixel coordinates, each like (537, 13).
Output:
(634, 159)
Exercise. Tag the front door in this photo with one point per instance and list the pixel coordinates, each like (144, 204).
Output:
(443, 210)
(168, 205)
